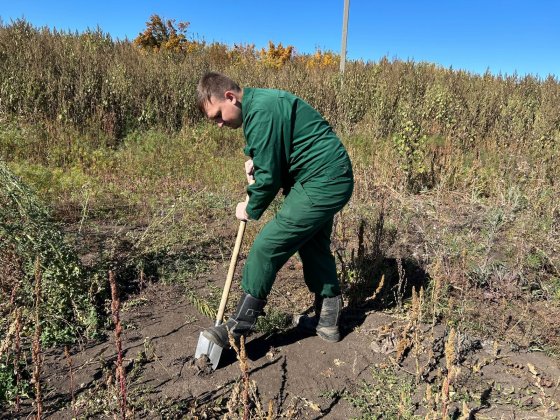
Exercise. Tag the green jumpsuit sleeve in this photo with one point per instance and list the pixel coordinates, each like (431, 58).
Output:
(264, 146)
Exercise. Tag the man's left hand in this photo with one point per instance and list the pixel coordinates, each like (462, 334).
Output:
(240, 212)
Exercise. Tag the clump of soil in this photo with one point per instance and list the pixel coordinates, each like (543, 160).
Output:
(202, 365)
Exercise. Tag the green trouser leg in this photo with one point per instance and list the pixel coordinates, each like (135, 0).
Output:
(304, 223)
(319, 267)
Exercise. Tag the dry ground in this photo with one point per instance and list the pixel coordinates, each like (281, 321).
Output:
(303, 376)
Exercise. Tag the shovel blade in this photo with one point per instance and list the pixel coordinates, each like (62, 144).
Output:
(210, 349)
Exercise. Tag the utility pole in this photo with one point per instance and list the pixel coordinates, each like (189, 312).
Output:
(344, 35)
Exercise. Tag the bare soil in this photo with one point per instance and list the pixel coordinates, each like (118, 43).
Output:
(304, 376)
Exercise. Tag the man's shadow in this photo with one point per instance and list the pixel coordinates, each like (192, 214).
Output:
(376, 275)
(392, 282)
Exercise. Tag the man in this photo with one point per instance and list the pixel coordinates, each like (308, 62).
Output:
(291, 147)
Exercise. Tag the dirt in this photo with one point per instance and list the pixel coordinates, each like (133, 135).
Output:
(304, 376)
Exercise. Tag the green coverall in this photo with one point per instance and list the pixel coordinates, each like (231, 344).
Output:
(295, 149)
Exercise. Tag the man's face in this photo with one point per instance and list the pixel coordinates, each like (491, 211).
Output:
(225, 111)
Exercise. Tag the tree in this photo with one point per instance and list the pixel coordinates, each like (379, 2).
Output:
(163, 35)
(276, 56)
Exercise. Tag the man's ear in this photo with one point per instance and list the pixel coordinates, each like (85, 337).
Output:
(231, 96)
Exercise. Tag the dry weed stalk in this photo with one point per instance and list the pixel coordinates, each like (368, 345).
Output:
(142, 281)
(451, 353)
(270, 415)
(232, 402)
(378, 289)
(115, 309)
(244, 367)
(71, 377)
(436, 291)
(450, 358)
(466, 412)
(409, 336)
(403, 345)
(249, 389)
(259, 412)
(431, 403)
(13, 336)
(36, 349)
(17, 357)
(7, 342)
(14, 294)
(445, 398)
(401, 285)
(416, 317)
(433, 305)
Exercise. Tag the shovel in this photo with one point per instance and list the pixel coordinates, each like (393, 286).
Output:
(205, 346)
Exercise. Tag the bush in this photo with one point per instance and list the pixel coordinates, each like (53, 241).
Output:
(26, 225)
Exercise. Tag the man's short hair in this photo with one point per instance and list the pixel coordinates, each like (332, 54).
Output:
(213, 84)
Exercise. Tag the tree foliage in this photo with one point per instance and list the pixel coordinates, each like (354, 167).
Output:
(161, 34)
(276, 55)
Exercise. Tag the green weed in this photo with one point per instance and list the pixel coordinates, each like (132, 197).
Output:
(274, 321)
(388, 396)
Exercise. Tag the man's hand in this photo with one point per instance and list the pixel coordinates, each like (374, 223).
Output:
(240, 212)
(249, 170)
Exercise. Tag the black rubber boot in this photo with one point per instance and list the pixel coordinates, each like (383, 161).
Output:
(325, 322)
(240, 323)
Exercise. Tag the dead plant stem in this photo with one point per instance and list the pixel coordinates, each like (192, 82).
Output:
(115, 309)
(71, 377)
(36, 351)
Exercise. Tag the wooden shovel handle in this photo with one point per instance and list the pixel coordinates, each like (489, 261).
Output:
(231, 270)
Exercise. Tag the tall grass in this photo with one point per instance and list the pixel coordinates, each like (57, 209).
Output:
(443, 126)
(88, 79)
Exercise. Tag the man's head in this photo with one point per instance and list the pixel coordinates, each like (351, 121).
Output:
(219, 98)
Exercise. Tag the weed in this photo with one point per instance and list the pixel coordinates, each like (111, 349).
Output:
(134, 303)
(36, 349)
(202, 305)
(119, 370)
(273, 322)
(389, 396)
(27, 224)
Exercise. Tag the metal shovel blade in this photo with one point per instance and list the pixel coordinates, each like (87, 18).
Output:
(210, 349)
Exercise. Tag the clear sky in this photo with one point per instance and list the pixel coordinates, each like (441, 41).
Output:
(521, 36)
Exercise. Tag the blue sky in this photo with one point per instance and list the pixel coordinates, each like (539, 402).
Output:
(496, 35)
